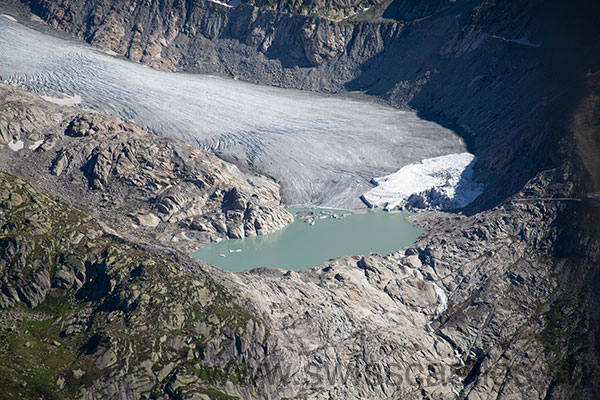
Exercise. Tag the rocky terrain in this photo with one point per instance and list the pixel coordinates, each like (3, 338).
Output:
(165, 189)
(74, 297)
(499, 301)
(472, 300)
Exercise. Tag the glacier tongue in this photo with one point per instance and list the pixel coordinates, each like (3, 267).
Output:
(322, 149)
(438, 183)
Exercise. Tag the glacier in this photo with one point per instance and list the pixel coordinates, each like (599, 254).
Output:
(444, 182)
(323, 149)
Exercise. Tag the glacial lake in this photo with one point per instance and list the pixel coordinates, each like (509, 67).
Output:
(301, 245)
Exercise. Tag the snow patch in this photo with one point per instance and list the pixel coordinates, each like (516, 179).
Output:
(9, 17)
(16, 145)
(64, 101)
(418, 274)
(36, 144)
(442, 300)
(109, 52)
(444, 182)
(220, 3)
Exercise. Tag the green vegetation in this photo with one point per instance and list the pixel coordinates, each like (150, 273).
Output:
(33, 354)
(336, 10)
(565, 336)
(77, 306)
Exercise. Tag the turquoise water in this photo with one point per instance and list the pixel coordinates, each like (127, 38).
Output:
(301, 245)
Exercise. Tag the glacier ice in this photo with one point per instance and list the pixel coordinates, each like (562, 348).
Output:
(323, 149)
(443, 182)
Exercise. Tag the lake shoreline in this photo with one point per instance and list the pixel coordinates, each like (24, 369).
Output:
(316, 235)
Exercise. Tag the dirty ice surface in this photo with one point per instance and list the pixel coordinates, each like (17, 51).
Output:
(323, 149)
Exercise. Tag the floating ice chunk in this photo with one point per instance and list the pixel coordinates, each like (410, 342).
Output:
(36, 144)
(435, 183)
(16, 145)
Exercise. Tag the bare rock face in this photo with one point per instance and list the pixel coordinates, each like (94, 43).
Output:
(322, 42)
(353, 328)
(459, 314)
(331, 9)
(168, 189)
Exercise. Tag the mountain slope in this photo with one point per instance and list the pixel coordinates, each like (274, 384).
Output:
(169, 190)
(85, 314)
(519, 273)
(503, 75)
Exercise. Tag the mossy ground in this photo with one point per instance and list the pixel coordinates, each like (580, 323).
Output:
(131, 303)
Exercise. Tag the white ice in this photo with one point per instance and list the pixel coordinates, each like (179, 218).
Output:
(220, 3)
(436, 183)
(323, 149)
(9, 17)
(442, 300)
(34, 146)
(16, 145)
(65, 100)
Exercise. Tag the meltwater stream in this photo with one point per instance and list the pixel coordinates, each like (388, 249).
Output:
(323, 149)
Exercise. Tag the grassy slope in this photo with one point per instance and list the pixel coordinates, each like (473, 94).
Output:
(120, 311)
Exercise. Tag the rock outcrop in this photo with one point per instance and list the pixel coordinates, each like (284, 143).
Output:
(167, 189)
(72, 298)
